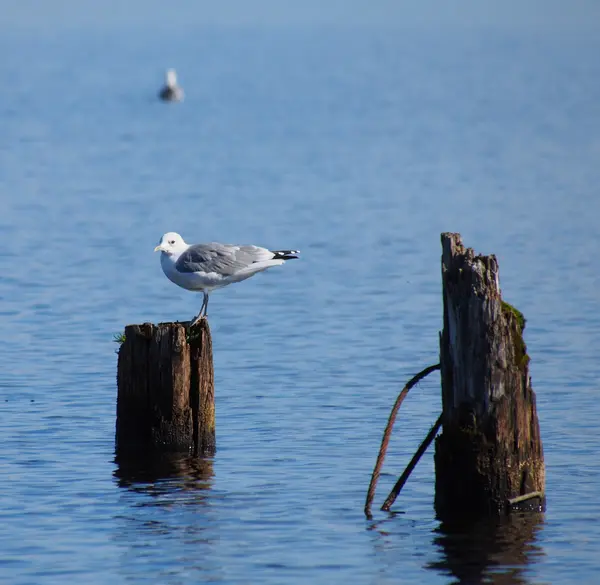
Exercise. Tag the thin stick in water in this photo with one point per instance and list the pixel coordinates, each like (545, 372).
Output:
(413, 462)
(388, 432)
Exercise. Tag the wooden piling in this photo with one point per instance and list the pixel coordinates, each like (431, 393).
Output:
(165, 380)
(490, 450)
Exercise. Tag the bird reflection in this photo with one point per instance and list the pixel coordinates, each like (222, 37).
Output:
(492, 551)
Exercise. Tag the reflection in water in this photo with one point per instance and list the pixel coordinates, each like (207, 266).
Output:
(144, 471)
(380, 525)
(492, 551)
(165, 519)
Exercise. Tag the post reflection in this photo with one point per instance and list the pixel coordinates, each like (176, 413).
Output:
(176, 471)
(165, 521)
(495, 552)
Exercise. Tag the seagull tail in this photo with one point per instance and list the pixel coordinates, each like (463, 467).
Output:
(285, 254)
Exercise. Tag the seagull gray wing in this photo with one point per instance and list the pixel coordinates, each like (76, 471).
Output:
(222, 259)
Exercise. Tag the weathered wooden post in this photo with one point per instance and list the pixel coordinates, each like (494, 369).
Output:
(165, 382)
(489, 457)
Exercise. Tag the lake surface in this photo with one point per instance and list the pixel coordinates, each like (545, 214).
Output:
(359, 147)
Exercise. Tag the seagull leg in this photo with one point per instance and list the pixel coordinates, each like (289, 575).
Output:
(202, 308)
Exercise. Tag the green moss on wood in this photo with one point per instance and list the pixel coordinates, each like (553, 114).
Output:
(193, 334)
(521, 357)
(119, 338)
(507, 308)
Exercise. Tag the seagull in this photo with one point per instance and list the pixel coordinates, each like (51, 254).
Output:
(207, 267)
(171, 92)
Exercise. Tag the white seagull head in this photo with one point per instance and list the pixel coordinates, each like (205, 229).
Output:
(171, 243)
(171, 78)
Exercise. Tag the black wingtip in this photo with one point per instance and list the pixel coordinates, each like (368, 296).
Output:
(285, 254)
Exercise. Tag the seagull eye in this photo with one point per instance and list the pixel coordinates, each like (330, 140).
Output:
(171, 242)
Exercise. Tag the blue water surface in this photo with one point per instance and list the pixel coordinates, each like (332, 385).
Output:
(358, 146)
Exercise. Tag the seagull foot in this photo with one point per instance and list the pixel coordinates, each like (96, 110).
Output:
(197, 320)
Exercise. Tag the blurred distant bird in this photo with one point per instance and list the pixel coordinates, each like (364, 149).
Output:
(171, 92)
(207, 267)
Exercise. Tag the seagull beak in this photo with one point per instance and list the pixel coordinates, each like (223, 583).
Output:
(158, 248)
